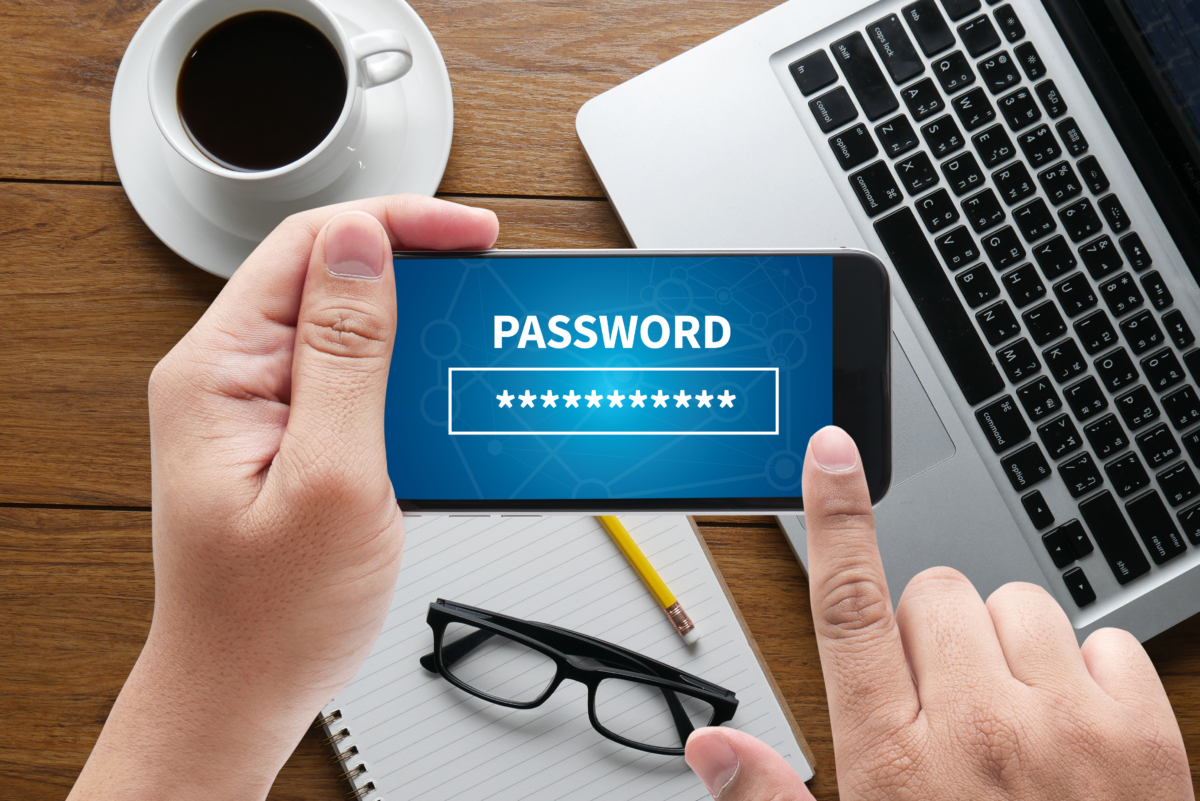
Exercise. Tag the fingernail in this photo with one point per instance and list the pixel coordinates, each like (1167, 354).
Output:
(354, 246)
(714, 761)
(834, 450)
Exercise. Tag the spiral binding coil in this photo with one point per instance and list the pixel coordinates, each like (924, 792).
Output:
(344, 755)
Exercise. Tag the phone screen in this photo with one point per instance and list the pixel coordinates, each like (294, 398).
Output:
(559, 382)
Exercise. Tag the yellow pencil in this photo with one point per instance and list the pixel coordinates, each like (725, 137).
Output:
(658, 588)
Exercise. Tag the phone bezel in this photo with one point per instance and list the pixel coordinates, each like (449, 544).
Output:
(862, 384)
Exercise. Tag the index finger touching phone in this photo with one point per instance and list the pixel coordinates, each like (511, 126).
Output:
(867, 678)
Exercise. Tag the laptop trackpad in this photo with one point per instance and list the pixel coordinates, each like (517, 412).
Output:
(919, 440)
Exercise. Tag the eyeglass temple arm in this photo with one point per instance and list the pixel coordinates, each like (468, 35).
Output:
(683, 724)
(456, 650)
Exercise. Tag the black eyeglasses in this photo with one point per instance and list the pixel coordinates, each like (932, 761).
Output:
(632, 699)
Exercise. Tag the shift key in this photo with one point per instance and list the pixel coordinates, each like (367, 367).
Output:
(865, 77)
(1114, 537)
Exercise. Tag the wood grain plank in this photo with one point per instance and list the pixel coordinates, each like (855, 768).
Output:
(92, 301)
(520, 70)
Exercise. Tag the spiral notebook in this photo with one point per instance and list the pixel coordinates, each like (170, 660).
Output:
(404, 734)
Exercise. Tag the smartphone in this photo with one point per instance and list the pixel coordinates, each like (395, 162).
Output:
(597, 381)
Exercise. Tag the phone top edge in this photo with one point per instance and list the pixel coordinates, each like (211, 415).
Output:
(599, 252)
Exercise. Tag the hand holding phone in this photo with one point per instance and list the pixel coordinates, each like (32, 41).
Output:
(608, 381)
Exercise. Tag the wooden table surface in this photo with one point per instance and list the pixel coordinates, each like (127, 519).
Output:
(90, 300)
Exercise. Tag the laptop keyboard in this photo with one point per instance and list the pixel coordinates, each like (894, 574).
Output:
(1025, 268)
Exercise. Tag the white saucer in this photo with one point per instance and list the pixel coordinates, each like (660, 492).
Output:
(410, 123)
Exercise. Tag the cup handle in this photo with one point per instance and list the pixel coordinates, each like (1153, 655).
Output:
(397, 61)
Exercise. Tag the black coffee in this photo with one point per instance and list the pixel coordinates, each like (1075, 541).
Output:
(260, 90)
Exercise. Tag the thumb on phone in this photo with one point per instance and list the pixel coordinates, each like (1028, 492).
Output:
(737, 767)
(344, 333)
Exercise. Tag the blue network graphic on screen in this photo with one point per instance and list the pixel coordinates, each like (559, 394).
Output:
(539, 378)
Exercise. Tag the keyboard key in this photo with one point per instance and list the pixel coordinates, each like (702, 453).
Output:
(1026, 467)
(1039, 511)
(929, 286)
(1114, 212)
(929, 27)
(1114, 537)
(813, 72)
(1163, 370)
(1019, 109)
(1178, 484)
(1080, 220)
(942, 136)
(1010, 25)
(1101, 257)
(1072, 137)
(1081, 475)
(977, 285)
(1154, 524)
(1178, 329)
(962, 173)
(1116, 369)
(1077, 538)
(998, 72)
(1060, 436)
(864, 76)
(923, 99)
(1135, 251)
(979, 36)
(953, 72)
(1057, 546)
(1018, 361)
(1060, 182)
(1095, 332)
(993, 146)
(1003, 248)
(998, 323)
(937, 210)
(1189, 521)
(1024, 285)
(1044, 323)
(1158, 445)
(1053, 102)
(1002, 424)
(897, 136)
(1156, 290)
(1137, 408)
(1055, 257)
(1086, 399)
(973, 109)
(1074, 294)
(1192, 360)
(895, 49)
(1093, 175)
(833, 110)
(1013, 183)
(1079, 587)
(1035, 220)
(1030, 61)
(1142, 332)
(957, 9)
(1064, 361)
(1039, 146)
(957, 248)
(1191, 441)
(1127, 475)
(1039, 399)
(983, 211)
(876, 189)
(853, 147)
(1106, 436)
(917, 173)
(1182, 408)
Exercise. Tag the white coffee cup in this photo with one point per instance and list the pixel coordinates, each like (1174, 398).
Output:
(323, 164)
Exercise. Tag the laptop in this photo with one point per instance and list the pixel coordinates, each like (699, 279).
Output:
(1028, 172)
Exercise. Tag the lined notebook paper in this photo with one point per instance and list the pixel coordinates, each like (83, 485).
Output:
(418, 737)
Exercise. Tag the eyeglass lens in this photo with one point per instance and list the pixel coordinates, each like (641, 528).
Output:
(642, 713)
(494, 665)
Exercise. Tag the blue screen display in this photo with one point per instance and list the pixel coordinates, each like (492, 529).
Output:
(629, 377)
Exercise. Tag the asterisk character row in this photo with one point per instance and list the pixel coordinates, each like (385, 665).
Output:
(616, 400)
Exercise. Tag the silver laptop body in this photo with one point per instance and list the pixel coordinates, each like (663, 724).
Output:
(723, 147)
